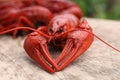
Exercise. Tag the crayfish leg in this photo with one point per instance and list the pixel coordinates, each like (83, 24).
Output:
(20, 22)
(25, 20)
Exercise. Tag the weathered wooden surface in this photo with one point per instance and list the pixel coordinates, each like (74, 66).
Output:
(99, 62)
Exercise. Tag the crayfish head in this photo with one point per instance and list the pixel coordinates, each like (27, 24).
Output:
(59, 27)
(62, 24)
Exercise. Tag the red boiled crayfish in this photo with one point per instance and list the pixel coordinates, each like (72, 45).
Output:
(64, 31)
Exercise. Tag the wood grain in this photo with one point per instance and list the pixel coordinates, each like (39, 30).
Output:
(99, 62)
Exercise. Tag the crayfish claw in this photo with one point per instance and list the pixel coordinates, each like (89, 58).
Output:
(36, 47)
(76, 45)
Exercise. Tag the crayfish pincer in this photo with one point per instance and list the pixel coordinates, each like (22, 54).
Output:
(65, 29)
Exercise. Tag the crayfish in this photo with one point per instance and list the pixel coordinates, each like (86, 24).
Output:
(63, 28)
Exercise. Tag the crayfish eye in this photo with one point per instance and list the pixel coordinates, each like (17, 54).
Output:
(60, 30)
(51, 30)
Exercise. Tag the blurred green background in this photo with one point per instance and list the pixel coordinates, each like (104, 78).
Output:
(107, 9)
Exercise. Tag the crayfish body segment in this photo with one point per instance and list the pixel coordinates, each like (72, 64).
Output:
(61, 7)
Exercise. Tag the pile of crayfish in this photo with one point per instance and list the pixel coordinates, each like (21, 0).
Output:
(57, 23)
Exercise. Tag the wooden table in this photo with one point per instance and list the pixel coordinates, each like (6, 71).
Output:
(99, 62)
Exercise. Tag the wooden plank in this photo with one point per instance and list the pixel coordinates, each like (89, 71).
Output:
(99, 62)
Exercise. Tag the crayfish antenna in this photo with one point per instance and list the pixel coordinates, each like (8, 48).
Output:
(25, 28)
(17, 28)
(102, 41)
